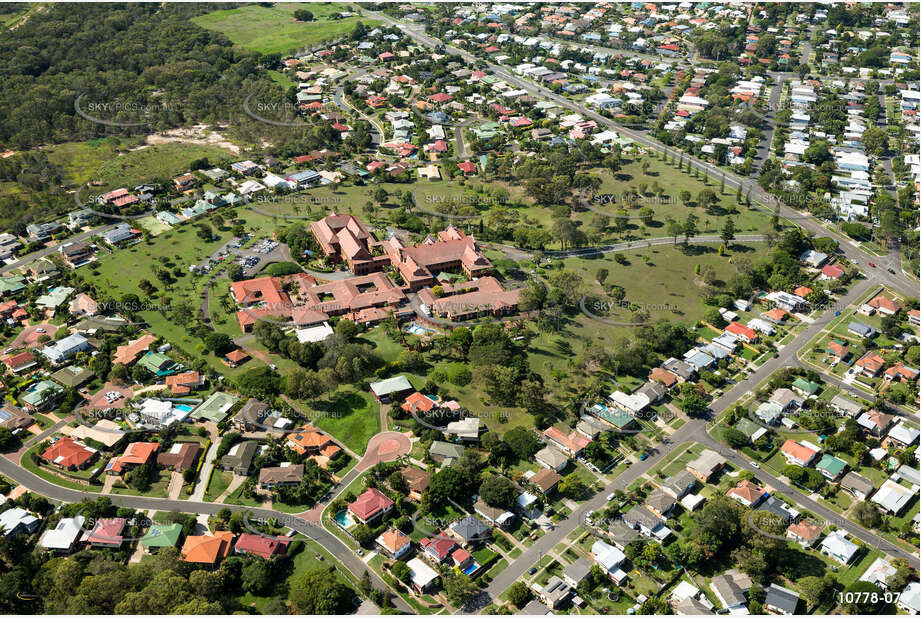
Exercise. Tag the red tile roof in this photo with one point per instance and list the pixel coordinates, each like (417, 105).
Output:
(261, 545)
(67, 453)
(370, 503)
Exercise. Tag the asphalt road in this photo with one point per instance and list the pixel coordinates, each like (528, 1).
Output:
(898, 281)
(314, 531)
(695, 430)
(37, 255)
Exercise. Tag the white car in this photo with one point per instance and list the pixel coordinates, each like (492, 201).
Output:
(754, 464)
(610, 497)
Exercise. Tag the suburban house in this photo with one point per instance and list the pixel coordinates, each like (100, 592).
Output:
(804, 533)
(837, 547)
(800, 453)
(160, 536)
(706, 465)
(68, 454)
(180, 457)
(780, 600)
(261, 545)
(858, 486)
(747, 493)
(106, 533)
(610, 559)
(136, 454)
(16, 521)
(280, 476)
(207, 549)
(62, 538)
(370, 505)
(469, 531)
(394, 543)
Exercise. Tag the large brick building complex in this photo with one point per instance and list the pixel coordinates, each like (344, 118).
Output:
(345, 238)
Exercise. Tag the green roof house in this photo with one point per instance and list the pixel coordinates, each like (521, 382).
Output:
(41, 395)
(11, 284)
(805, 387)
(831, 467)
(157, 363)
(391, 388)
(751, 429)
(618, 418)
(161, 535)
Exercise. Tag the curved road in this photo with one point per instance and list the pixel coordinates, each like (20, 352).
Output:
(310, 529)
(695, 431)
(898, 281)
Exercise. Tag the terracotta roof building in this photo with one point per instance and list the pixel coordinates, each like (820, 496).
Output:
(68, 454)
(180, 457)
(452, 250)
(345, 238)
(370, 505)
(136, 454)
(261, 545)
(128, 353)
(207, 549)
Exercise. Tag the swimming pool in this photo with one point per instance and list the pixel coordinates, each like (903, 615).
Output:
(470, 568)
(184, 407)
(344, 519)
(415, 329)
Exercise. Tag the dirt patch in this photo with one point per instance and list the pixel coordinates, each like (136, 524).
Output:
(198, 134)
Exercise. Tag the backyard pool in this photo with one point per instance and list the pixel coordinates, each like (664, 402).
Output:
(470, 568)
(184, 407)
(344, 519)
(415, 329)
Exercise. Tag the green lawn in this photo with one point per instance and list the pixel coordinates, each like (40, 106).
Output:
(220, 480)
(308, 555)
(273, 29)
(352, 417)
(43, 472)
(159, 161)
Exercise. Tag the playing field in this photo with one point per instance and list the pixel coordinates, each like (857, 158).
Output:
(273, 29)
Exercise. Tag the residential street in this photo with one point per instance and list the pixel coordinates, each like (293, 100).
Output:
(898, 281)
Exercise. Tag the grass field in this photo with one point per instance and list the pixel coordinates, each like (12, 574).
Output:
(99, 159)
(273, 29)
(162, 161)
(670, 291)
(351, 417)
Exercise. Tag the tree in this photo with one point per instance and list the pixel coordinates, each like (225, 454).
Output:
(685, 197)
(861, 598)
(459, 588)
(572, 486)
(813, 588)
(518, 594)
(734, 437)
(729, 232)
(401, 571)
(319, 591)
(674, 230)
(219, 343)
(303, 15)
(498, 491)
(601, 276)
(868, 515)
(523, 442)
(689, 229)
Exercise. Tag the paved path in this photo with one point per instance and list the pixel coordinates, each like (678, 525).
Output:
(175, 485)
(695, 430)
(898, 281)
(204, 475)
(235, 483)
